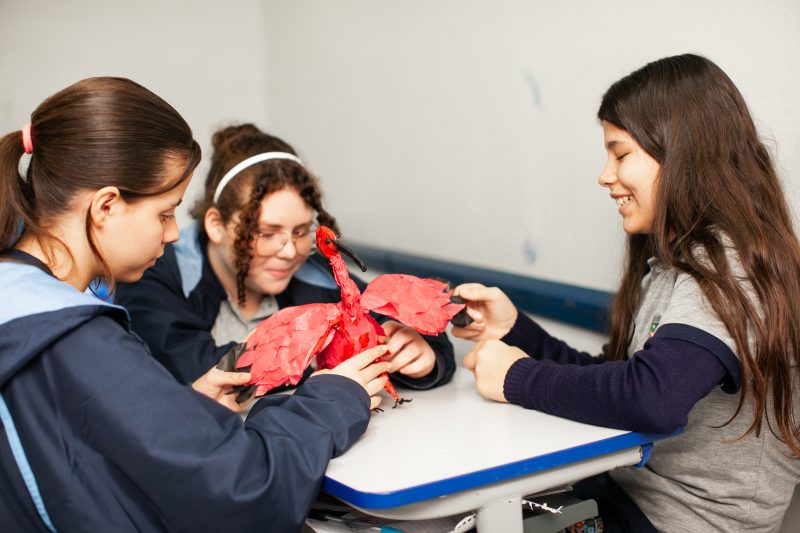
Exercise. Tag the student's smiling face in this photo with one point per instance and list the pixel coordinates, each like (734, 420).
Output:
(630, 175)
(282, 213)
(285, 212)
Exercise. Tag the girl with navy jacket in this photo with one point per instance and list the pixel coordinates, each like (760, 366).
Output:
(96, 435)
(247, 254)
(704, 330)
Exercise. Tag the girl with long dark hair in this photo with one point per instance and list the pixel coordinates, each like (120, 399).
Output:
(704, 331)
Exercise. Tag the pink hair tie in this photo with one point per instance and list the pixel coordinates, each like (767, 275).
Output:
(27, 140)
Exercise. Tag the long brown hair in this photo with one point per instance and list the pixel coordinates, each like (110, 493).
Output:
(716, 181)
(98, 132)
(244, 193)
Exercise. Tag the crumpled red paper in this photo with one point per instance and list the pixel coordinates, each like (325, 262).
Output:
(281, 347)
(419, 303)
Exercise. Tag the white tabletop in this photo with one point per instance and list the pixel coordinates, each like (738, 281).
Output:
(450, 440)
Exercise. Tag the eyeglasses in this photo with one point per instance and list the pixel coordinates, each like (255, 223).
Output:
(272, 242)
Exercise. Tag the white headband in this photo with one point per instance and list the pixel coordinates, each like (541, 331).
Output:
(250, 161)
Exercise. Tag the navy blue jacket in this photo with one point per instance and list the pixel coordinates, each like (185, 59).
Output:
(175, 304)
(115, 443)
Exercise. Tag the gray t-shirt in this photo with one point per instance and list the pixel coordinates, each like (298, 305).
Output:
(705, 479)
(232, 326)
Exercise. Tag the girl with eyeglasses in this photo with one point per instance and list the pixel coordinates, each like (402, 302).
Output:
(248, 253)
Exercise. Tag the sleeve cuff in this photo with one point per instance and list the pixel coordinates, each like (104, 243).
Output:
(524, 332)
(421, 383)
(335, 381)
(516, 377)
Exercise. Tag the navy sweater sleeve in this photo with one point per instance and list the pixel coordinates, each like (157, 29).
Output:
(532, 339)
(653, 391)
(177, 334)
(191, 458)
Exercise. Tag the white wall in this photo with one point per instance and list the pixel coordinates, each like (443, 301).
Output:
(466, 130)
(205, 58)
(460, 129)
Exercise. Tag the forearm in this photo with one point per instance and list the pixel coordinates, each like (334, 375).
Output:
(652, 392)
(329, 401)
(532, 339)
(164, 437)
(270, 472)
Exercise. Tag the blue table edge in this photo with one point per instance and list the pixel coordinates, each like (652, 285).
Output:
(409, 495)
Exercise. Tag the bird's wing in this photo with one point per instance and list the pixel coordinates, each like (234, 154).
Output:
(281, 347)
(423, 304)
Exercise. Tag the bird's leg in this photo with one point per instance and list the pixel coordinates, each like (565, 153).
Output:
(389, 387)
(401, 401)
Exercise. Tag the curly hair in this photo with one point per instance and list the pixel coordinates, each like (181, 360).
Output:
(243, 195)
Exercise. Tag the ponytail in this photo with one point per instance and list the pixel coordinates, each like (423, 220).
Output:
(14, 202)
(95, 133)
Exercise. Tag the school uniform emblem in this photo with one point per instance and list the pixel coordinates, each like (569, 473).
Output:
(654, 325)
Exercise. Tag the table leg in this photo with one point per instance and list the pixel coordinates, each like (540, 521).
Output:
(498, 516)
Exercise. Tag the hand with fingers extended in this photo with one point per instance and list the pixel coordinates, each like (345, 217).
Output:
(217, 385)
(492, 311)
(409, 353)
(489, 361)
(364, 370)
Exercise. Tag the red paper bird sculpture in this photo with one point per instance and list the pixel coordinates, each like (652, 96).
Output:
(281, 347)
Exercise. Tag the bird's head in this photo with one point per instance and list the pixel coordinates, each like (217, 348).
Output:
(329, 245)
